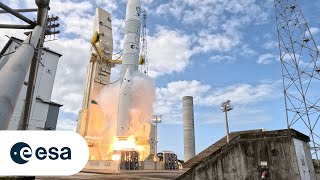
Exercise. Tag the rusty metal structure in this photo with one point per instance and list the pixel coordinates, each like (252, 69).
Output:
(300, 71)
(129, 160)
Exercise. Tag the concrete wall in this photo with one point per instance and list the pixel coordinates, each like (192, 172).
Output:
(52, 117)
(244, 160)
(101, 164)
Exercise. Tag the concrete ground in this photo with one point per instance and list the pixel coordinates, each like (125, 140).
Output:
(120, 175)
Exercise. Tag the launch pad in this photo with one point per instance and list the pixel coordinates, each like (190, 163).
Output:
(120, 175)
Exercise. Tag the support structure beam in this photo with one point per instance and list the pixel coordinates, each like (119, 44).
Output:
(15, 13)
(19, 10)
(43, 7)
(15, 26)
(13, 74)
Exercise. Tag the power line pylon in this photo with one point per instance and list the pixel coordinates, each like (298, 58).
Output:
(300, 71)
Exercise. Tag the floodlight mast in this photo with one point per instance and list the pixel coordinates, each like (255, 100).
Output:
(156, 119)
(225, 107)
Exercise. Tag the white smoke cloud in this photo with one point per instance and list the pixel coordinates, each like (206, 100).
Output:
(141, 107)
(143, 97)
(108, 101)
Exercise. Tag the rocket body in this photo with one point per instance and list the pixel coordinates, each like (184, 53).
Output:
(131, 44)
(123, 124)
(130, 63)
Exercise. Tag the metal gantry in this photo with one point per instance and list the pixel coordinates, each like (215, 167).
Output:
(300, 71)
(144, 45)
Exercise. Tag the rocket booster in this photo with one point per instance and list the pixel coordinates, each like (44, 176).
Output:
(123, 124)
(130, 63)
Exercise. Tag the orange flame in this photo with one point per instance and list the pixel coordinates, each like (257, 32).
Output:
(128, 144)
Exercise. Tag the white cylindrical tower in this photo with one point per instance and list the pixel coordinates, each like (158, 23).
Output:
(188, 128)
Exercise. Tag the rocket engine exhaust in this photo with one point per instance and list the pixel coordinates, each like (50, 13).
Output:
(130, 63)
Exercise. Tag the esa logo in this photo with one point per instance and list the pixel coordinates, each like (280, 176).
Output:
(21, 153)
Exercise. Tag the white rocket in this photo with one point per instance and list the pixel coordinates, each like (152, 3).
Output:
(130, 63)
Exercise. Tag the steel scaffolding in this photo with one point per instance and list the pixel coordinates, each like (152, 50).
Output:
(300, 71)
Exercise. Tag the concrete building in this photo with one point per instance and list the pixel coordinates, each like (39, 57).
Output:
(281, 155)
(44, 112)
(188, 128)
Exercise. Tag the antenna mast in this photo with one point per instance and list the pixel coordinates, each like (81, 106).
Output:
(300, 71)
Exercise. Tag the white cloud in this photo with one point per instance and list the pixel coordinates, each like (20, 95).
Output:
(240, 94)
(240, 115)
(174, 91)
(221, 58)
(246, 51)
(118, 34)
(169, 98)
(215, 42)
(147, 1)
(194, 11)
(70, 7)
(271, 45)
(71, 73)
(76, 18)
(7, 19)
(67, 125)
(168, 51)
(109, 5)
(314, 30)
(267, 59)
(169, 8)
(220, 22)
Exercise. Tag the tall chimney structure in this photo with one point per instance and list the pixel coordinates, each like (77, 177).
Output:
(188, 128)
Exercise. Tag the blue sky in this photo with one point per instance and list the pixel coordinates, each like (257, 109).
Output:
(213, 50)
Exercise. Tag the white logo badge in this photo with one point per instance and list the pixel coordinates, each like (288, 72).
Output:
(42, 153)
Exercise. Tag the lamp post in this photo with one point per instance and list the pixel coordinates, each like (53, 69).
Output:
(225, 107)
(156, 119)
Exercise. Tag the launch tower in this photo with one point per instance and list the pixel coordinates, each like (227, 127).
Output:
(92, 121)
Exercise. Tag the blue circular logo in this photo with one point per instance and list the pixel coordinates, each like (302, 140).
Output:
(20, 153)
